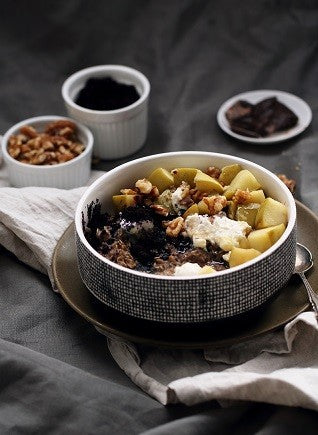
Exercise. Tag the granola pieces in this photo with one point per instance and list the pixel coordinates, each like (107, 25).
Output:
(58, 143)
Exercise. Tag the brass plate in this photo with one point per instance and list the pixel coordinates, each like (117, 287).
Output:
(289, 302)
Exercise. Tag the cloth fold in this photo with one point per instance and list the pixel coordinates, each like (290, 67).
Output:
(279, 367)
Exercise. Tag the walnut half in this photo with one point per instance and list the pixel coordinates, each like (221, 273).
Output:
(215, 203)
(174, 227)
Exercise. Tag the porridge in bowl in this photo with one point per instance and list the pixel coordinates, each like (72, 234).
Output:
(187, 221)
(140, 253)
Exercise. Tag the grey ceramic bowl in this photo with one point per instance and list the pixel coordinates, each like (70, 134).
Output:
(185, 299)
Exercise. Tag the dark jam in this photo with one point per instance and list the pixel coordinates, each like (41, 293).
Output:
(106, 94)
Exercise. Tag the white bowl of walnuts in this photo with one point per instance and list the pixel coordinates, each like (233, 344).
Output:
(48, 151)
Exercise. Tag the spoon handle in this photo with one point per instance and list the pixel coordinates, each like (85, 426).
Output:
(313, 297)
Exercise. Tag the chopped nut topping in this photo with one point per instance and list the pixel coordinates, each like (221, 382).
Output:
(197, 195)
(174, 227)
(58, 144)
(289, 182)
(160, 209)
(57, 128)
(154, 193)
(187, 202)
(213, 171)
(119, 253)
(242, 196)
(185, 190)
(144, 186)
(28, 131)
(128, 191)
(215, 203)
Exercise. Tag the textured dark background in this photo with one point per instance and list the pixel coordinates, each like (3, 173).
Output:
(196, 54)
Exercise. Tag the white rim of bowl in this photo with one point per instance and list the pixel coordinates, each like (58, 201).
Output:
(12, 130)
(107, 68)
(100, 180)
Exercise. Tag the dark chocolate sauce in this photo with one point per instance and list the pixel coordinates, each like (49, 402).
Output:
(106, 93)
(143, 236)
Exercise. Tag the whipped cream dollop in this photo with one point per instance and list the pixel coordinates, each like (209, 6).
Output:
(188, 269)
(220, 230)
(177, 197)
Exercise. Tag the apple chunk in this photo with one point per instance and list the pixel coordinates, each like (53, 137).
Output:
(228, 173)
(247, 213)
(243, 180)
(271, 213)
(264, 238)
(257, 196)
(184, 174)
(205, 183)
(122, 201)
(241, 255)
(161, 178)
(191, 210)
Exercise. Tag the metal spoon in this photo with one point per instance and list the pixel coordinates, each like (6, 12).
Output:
(303, 263)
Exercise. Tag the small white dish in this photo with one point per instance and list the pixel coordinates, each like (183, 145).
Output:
(68, 175)
(294, 103)
(117, 133)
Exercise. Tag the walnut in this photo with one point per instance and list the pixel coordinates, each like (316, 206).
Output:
(174, 227)
(197, 195)
(79, 148)
(128, 191)
(120, 254)
(215, 203)
(35, 148)
(62, 158)
(57, 127)
(213, 171)
(160, 209)
(66, 131)
(185, 189)
(187, 201)
(144, 186)
(14, 152)
(154, 193)
(35, 142)
(25, 148)
(39, 160)
(29, 131)
(289, 182)
(242, 196)
(47, 145)
(21, 139)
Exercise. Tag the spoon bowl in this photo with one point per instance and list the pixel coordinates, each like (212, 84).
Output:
(304, 262)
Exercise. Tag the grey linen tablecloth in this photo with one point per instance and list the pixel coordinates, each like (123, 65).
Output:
(280, 367)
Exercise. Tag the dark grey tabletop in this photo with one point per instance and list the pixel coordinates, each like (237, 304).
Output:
(196, 55)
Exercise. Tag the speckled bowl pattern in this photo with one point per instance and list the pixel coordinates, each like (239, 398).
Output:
(74, 173)
(117, 133)
(185, 299)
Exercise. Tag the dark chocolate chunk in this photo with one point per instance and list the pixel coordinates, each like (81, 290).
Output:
(262, 119)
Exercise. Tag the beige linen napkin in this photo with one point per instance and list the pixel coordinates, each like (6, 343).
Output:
(280, 367)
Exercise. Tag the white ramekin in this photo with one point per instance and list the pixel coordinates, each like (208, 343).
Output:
(117, 133)
(74, 173)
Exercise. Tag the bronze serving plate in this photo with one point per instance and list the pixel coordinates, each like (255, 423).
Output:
(290, 301)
